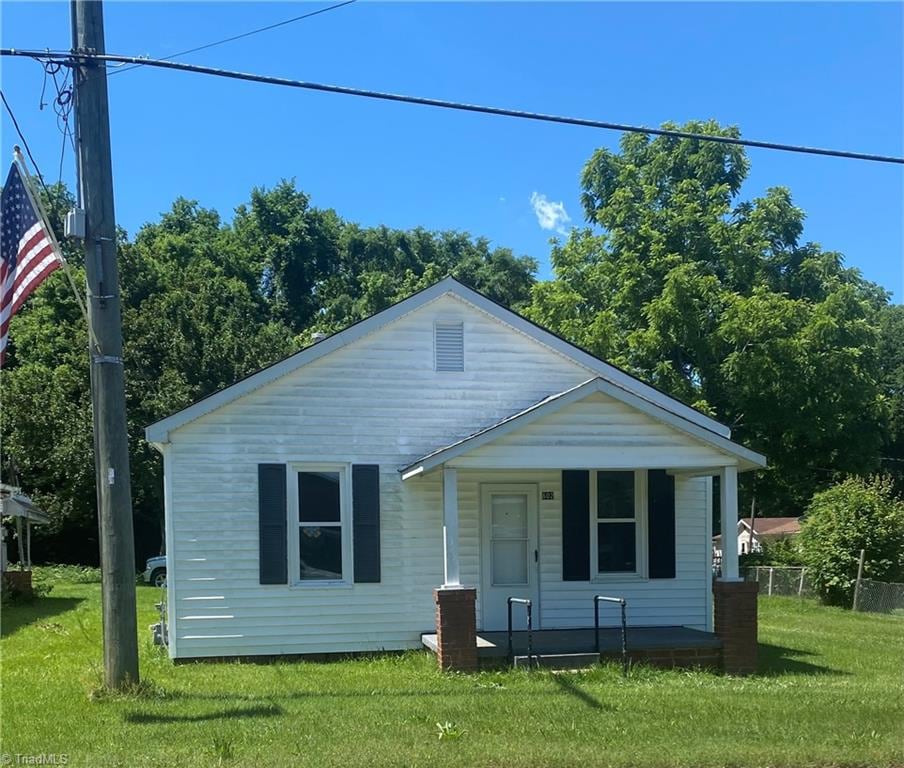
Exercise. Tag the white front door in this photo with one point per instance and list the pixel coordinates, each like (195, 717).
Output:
(509, 554)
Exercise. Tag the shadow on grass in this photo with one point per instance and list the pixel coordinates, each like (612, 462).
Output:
(777, 660)
(569, 686)
(234, 713)
(20, 614)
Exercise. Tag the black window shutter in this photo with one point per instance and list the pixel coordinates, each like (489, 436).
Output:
(366, 522)
(575, 525)
(661, 523)
(271, 495)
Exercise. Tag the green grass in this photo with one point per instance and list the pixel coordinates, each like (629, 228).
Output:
(830, 692)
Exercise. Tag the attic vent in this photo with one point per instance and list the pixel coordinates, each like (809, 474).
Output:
(449, 341)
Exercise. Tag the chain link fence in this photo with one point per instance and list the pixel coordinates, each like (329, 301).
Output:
(780, 580)
(879, 597)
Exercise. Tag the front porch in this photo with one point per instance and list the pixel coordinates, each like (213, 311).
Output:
(587, 493)
(665, 647)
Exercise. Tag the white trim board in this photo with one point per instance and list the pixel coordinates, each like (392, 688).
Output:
(158, 432)
(745, 458)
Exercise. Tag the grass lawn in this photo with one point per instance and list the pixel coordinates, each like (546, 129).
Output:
(830, 692)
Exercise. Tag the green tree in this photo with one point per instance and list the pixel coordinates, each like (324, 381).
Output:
(717, 301)
(891, 359)
(380, 266)
(319, 272)
(855, 514)
(45, 419)
(204, 304)
(193, 322)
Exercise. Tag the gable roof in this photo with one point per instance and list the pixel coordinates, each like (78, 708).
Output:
(747, 459)
(158, 432)
(772, 526)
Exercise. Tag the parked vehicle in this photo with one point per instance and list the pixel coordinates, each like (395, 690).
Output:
(155, 571)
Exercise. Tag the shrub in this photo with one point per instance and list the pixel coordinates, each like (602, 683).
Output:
(782, 552)
(76, 574)
(853, 515)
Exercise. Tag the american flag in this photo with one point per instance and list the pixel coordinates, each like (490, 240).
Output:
(26, 248)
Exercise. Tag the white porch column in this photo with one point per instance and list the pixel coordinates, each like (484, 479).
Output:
(451, 572)
(728, 485)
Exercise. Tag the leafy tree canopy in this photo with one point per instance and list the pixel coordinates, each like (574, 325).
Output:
(891, 356)
(717, 301)
(204, 303)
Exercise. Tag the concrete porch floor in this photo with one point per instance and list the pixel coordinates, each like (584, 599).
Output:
(661, 646)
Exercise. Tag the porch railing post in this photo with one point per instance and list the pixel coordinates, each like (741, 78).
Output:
(596, 623)
(511, 647)
(624, 638)
(530, 629)
(597, 599)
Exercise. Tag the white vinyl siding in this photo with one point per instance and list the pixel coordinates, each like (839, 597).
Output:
(598, 432)
(682, 601)
(380, 400)
(376, 401)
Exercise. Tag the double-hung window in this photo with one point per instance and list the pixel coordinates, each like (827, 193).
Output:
(321, 547)
(618, 519)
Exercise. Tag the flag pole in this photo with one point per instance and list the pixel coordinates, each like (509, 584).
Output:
(35, 199)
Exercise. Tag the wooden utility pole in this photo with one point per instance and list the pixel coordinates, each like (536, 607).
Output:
(111, 445)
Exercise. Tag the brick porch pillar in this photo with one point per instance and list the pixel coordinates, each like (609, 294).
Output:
(735, 619)
(456, 628)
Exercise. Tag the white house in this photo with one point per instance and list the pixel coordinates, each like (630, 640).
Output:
(765, 529)
(448, 443)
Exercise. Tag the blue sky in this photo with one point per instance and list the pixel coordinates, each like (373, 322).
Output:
(817, 74)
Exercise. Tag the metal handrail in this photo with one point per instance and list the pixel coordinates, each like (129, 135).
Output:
(597, 599)
(530, 629)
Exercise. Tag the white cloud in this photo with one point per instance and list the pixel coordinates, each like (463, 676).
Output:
(549, 215)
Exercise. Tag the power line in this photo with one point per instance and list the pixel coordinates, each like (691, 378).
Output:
(22, 138)
(71, 58)
(244, 34)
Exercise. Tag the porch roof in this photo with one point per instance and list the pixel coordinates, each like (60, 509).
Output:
(16, 504)
(745, 458)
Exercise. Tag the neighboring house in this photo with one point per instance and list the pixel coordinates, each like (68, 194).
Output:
(16, 506)
(448, 443)
(766, 529)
